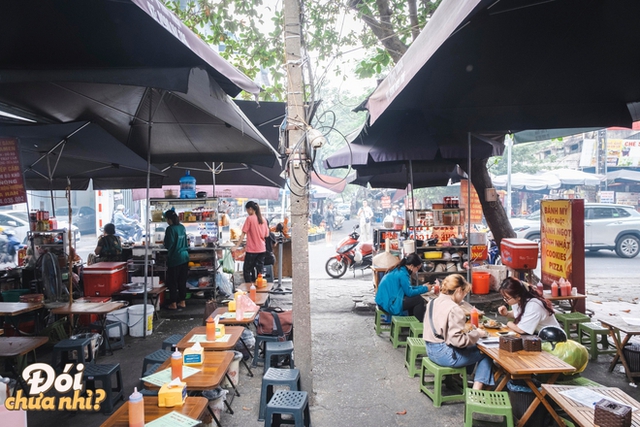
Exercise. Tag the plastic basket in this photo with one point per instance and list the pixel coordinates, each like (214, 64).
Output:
(632, 354)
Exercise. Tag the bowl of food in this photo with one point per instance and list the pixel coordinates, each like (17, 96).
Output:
(492, 324)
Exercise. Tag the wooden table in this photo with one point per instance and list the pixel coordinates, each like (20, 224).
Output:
(616, 324)
(246, 321)
(583, 415)
(234, 331)
(572, 299)
(153, 296)
(193, 408)
(522, 365)
(245, 287)
(17, 308)
(214, 368)
(101, 309)
(16, 349)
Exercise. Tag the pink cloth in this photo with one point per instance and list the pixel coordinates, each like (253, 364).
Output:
(256, 234)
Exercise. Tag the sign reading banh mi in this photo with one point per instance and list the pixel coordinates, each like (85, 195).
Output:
(562, 243)
(11, 182)
(476, 207)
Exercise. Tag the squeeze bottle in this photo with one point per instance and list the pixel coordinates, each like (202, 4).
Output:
(540, 288)
(136, 409)
(554, 289)
(176, 364)
(211, 329)
(239, 312)
(474, 317)
(252, 292)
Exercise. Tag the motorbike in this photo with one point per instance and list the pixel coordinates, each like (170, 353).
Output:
(337, 222)
(134, 235)
(351, 254)
(494, 253)
(8, 246)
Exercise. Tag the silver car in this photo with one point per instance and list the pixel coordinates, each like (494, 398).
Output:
(611, 227)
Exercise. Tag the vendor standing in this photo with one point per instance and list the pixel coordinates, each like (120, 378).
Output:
(177, 246)
(395, 293)
(256, 230)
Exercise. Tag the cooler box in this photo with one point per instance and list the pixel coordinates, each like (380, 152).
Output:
(104, 278)
(519, 254)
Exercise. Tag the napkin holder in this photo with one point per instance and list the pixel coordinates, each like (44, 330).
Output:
(193, 355)
(611, 414)
(172, 394)
(531, 343)
(510, 343)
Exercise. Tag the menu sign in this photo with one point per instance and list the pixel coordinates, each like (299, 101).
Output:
(562, 242)
(11, 183)
(476, 207)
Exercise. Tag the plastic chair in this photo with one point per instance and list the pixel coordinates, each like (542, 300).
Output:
(104, 374)
(439, 373)
(276, 378)
(569, 319)
(398, 325)
(259, 347)
(63, 352)
(157, 357)
(488, 403)
(108, 326)
(588, 334)
(416, 329)
(415, 348)
(274, 349)
(172, 340)
(295, 403)
(383, 321)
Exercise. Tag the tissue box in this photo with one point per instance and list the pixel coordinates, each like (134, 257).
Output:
(611, 414)
(168, 397)
(193, 356)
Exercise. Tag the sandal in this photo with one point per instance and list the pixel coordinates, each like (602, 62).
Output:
(182, 304)
(171, 307)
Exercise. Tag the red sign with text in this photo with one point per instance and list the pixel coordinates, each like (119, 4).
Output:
(476, 207)
(11, 182)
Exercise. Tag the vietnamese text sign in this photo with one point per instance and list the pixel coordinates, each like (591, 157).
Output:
(11, 182)
(620, 153)
(386, 202)
(476, 207)
(607, 196)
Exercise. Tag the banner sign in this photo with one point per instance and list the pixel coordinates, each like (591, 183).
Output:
(386, 202)
(562, 243)
(476, 207)
(11, 182)
(620, 153)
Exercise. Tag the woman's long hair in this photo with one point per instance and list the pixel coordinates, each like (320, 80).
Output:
(411, 259)
(173, 216)
(517, 289)
(256, 208)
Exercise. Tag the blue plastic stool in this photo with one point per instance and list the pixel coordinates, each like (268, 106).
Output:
(274, 349)
(104, 374)
(62, 352)
(172, 340)
(277, 377)
(295, 403)
(158, 356)
(259, 346)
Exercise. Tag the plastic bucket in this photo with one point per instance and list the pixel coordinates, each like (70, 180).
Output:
(121, 316)
(480, 282)
(136, 325)
(233, 371)
(409, 246)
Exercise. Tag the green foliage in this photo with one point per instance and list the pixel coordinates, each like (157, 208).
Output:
(524, 158)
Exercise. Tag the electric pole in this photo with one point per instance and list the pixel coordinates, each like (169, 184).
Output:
(298, 182)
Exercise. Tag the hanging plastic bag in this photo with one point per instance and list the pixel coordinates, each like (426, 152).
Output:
(228, 265)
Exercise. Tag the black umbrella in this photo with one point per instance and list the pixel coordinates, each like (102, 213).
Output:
(528, 64)
(56, 155)
(398, 176)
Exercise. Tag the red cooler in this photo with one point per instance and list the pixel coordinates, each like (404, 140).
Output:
(519, 254)
(104, 278)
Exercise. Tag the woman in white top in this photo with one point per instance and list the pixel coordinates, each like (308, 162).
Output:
(530, 311)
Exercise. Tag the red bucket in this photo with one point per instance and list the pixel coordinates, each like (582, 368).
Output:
(480, 282)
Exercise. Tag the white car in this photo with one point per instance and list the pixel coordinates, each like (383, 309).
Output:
(611, 227)
(18, 221)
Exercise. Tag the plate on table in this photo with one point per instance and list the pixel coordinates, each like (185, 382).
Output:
(492, 324)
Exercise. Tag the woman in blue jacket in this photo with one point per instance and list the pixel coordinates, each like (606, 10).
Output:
(395, 293)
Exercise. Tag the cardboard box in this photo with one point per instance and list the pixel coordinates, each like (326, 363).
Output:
(519, 254)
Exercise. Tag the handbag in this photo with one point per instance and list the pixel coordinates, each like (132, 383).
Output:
(275, 322)
(269, 257)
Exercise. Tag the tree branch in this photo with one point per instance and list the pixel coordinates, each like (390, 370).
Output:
(382, 29)
(413, 19)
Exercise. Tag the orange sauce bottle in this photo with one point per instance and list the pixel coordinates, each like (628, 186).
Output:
(176, 364)
(136, 409)
(211, 329)
(475, 317)
(252, 292)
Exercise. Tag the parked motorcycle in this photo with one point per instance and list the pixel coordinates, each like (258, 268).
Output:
(135, 234)
(337, 222)
(494, 253)
(351, 254)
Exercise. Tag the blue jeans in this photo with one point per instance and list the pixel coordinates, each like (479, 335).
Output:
(453, 357)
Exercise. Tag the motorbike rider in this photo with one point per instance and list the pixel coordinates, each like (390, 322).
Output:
(329, 219)
(8, 245)
(126, 225)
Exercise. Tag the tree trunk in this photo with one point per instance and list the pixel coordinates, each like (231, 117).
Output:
(494, 213)
(413, 18)
(382, 29)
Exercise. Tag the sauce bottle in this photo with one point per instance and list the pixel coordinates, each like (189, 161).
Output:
(239, 312)
(554, 289)
(436, 288)
(176, 364)
(136, 409)
(211, 329)
(540, 289)
(474, 317)
(252, 292)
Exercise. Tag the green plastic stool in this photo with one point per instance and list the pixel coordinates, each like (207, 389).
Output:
(577, 380)
(488, 403)
(416, 329)
(567, 423)
(439, 372)
(398, 323)
(381, 325)
(588, 336)
(415, 349)
(568, 319)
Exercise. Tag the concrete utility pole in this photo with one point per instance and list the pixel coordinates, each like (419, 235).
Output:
(298, 181)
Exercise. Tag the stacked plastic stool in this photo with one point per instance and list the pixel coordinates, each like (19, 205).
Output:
(275, 377)
(567, 320)
(157, 357)
(295, 403)
(105, 374)
(170, 341)
(416, 329)
(415, 348)
(261, 341)
(590, 334)
(439, 373)
(63, 352)
(383, 321)
(398, 326)
(108, 326)
(488, 403)
(276, 349)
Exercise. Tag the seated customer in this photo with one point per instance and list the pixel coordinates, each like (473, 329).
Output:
(530, 311)
(449, 342)
(395, 293)
(109, 247)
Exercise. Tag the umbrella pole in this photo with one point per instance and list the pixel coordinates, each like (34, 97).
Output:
(147, 226)
(470, 261)
(413, 202)
(70, 234)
